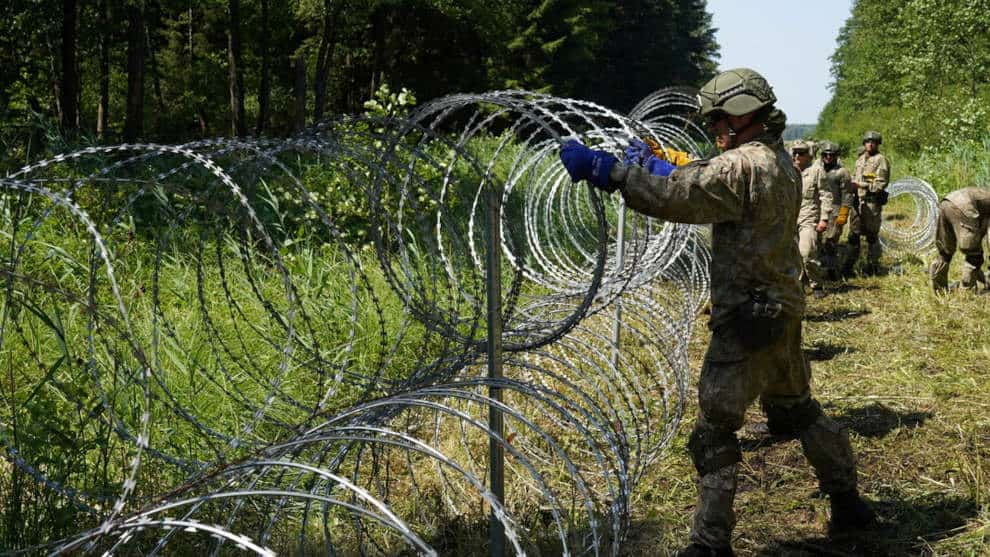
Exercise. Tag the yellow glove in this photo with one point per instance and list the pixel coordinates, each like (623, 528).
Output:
(843, 216)
(673, 156)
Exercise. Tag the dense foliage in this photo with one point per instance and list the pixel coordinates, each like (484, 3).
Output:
(166, 70)
(916, 70)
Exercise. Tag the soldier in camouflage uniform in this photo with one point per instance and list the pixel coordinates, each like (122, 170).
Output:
(963, 218)
(870, 179)
(842, 194)
(816, 202)
(751, 194)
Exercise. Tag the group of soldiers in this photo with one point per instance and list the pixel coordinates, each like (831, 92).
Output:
(831, 198)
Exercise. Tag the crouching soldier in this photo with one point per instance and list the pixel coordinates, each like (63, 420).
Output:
(963, 217)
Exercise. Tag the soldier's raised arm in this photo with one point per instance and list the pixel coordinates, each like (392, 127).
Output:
(700, 192)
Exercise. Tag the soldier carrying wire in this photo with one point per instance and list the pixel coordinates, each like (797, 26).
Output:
(751, 192)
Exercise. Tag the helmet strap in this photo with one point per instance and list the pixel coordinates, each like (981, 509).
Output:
(732, 136)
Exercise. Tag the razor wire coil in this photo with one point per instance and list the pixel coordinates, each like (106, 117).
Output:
(274, 345)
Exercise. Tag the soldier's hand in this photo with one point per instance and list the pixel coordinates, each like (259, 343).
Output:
(583, 163)
(659, 167)
(636, 152)
(843, 216)
(822, 226)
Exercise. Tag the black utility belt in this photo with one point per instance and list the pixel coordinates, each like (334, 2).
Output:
(880, 197)
(759, 321)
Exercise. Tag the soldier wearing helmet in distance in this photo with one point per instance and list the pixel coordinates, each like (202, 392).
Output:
(751, 193)
(811, 221)
(841, 194)
(870, 179)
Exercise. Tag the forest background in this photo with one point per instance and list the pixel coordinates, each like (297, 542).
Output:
(168, 70)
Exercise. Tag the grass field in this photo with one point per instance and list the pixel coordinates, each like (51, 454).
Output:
(907, 373)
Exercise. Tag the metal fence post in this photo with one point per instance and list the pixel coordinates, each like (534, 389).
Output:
(496, 452)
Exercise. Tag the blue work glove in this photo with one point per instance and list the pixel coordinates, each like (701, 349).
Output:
(658, 167)
(583, 163)
(636, 152)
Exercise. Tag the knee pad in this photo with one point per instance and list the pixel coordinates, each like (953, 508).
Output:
(971, 270)
(712, 450)
(792, 420)
(974, 258)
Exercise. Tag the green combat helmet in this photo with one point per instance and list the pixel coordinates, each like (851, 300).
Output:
(829, 148)
(735, 92)
(873, 136)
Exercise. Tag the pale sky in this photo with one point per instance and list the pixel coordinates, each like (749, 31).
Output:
(788, 42)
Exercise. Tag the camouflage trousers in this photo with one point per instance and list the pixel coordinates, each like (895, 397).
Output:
(828, 249)
(953, 229)
(732, 378)
(865, 217)
(808, 246)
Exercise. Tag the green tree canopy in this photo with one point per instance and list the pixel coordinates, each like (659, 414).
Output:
(917, 70)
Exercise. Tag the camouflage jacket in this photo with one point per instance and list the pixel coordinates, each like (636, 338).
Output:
(876, 165)
(814, 196)
(838, 182)
(751, 195)
(974, 204)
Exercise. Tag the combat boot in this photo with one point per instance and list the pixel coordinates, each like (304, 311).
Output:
(938, 273)
(850, 512)
(698, 550)
(873, 252)
(849, 261)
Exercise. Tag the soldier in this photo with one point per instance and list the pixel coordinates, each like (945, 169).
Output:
(811, 220)
(751, 195)
(963, 218)
(870, 179)
(841, 195)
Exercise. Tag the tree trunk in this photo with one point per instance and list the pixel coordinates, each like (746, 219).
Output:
(236, 76)
(264, 88)
(378, 50)
(204, 124)
(324, 57)
(69, 102)
(299, 123)
(156, 80)
(134, 119)
(103, 107)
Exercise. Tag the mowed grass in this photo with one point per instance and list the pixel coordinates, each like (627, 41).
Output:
(908, 373)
